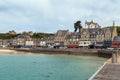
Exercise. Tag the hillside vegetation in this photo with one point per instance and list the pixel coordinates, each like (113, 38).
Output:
(35, 35)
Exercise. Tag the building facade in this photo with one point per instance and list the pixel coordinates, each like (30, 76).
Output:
(92, 25)
(116, 43)
(12, 32)
(61, 37)
(90, 35)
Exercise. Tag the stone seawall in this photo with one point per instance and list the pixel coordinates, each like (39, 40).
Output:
(78, 51)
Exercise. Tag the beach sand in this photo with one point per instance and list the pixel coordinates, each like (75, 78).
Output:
(4, 51)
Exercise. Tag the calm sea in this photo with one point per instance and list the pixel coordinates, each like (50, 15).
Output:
(48, 67)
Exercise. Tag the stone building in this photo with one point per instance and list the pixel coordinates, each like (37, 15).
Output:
(90, 35)
(116, 43)
(50, 41)
(1, 42)
(12, 32)
(29, 42)
(73, 39)
(97, 35)
(61, 37)
(92, 25)
(20, 40)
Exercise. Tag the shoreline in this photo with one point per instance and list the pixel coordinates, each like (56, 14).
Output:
(79, 52)
(40, 51)
(51, 51)
(68, 52)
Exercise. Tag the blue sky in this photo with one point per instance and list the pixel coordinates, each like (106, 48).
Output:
(52, 15)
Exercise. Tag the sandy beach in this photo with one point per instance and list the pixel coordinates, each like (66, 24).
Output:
(7, 51)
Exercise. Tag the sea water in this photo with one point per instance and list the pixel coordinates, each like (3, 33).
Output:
(48, 67)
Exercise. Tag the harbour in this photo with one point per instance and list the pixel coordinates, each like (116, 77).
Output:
(47, 67)
(105, 71)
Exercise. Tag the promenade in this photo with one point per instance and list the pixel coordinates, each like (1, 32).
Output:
(111, 71)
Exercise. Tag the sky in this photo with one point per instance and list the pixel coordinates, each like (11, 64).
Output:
(52, 15)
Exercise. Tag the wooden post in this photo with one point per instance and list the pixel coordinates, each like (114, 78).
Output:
(117, 55)
(114, 57)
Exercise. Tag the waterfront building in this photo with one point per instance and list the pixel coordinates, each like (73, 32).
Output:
(73, 39)
(97, 35)
(20, 40)
(14, 42)
(1, 42)
(50, 41)
(88, 36)
(27, 33)
(40, 42)
(12, 32)
(29, 42)
(30, 33)
(116, 43)
(61, 37)
(43, 42)
(37, 43)
(6, 43)
(92, 25)
(92, 34)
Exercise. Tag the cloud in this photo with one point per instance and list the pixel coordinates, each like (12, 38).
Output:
(51, 15)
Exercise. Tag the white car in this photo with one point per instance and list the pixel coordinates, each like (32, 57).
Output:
(110, 48)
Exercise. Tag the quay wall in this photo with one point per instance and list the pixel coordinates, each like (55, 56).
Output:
(68, 51)
(72, 51)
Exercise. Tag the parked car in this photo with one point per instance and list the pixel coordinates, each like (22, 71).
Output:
(110, 48)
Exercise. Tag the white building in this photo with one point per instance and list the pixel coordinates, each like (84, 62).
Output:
(91, 25)
(86, 43)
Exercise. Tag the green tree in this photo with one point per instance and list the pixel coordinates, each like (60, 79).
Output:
(7, 36)
(41, 35)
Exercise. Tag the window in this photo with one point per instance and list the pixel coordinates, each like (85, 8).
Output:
(91, 36)
(84, 42)
(88, 42)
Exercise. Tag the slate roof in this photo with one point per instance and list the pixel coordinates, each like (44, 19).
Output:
(111, 29)
(96, 30)
(117, 39)
(76, 34)
(62, 31)
(91, 22)
(92, 31)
